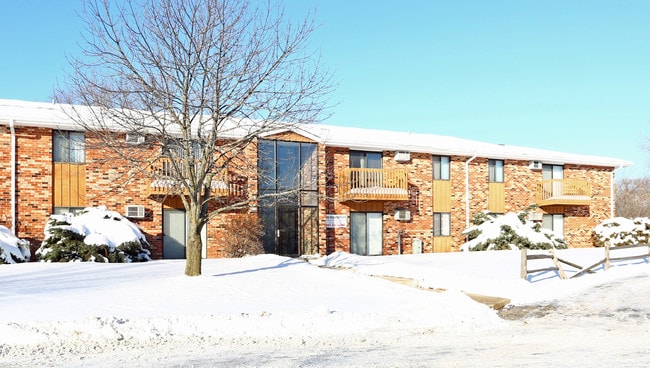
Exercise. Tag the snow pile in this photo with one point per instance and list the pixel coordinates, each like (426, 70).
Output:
(509, 231)
(12, 249)
(622, 231)
(94, 234)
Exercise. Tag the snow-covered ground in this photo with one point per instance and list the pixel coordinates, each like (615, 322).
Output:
(271, 311)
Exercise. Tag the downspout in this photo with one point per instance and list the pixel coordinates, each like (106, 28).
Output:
(467, 190)
(612, 201)
(13, 176)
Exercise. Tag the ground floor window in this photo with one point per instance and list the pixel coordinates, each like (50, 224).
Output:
(63, 210)
(555, 223)
(441, 224)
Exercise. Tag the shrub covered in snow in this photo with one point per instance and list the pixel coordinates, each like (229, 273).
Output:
(12, 249)
(95, 234)
(509, 231)
(622, 231)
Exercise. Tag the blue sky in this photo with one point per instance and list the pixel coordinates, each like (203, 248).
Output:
(564, 75)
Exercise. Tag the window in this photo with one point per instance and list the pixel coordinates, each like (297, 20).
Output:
(440, 167)
(64, 210)
(365, 160)
(495, 171)
(441, 224)
(69, 147)
(555, 223)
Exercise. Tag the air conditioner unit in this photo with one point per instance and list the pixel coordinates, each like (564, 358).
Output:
(402, 156)
(402, 215)
(536, 216)
(134, 138)
(535, 165)
(135, 211)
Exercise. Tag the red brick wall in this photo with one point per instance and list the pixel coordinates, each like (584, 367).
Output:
(107, 184)
(5, 177)
(519, 193)
(34, 182)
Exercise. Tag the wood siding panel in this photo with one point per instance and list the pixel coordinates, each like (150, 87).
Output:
(441, 196)
(69, 185)
(441, 244)
(496, 198)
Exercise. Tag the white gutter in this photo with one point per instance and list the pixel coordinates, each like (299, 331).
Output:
(612, 201)
(467, 190)
(13, 176)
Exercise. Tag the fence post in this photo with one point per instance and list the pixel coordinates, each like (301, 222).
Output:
(524, 263)
(607, 256)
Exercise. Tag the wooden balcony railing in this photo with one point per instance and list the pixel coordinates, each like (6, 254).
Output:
(373, 184)
(563, 192)
(163, 181)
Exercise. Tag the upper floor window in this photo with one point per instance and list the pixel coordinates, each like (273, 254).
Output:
(552, 172)
(440, 167)
(495, 171)
(365, 160)
(69, 147)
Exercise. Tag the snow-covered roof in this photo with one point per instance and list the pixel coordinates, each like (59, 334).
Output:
(384, 140)
(51, 115)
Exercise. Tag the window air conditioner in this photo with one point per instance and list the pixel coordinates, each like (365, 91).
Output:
(135, 211)
(402, 156)
(402, 215)
(535, 165)
(134, 138)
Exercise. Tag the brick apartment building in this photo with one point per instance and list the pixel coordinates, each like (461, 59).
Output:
(363, 191)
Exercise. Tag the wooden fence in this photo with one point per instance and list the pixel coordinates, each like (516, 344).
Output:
(525, 257)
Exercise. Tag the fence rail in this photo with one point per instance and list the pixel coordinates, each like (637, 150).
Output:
(525, 257)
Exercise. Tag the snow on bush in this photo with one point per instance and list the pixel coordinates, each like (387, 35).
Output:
(507, 232)
(94, 234)
(12, 249)
(619, 231)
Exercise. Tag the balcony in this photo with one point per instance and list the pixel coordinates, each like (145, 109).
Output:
(563, 192)
(373, 185)
(163, 182)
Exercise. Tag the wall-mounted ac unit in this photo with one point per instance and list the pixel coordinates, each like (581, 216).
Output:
(134, 138)
(535, 165)
(402, 215)
(536, 216)
(135, 211)
(402, 156)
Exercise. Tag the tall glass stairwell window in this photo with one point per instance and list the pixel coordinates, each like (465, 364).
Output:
(288, 188)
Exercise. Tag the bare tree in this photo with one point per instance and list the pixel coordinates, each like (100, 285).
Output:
(633, 198)
(205, 78)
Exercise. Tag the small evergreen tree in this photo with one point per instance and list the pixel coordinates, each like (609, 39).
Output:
(94, 235)
(622, 231)
(510, 231)
(13, 249)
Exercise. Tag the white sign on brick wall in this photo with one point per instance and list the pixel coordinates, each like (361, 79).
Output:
(334, 221)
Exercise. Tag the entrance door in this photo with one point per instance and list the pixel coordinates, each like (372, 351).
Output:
(174, 234)
(287, 231)
(555, 173)
(366, 237)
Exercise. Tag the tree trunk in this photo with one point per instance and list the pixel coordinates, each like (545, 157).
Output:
(194, 244)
